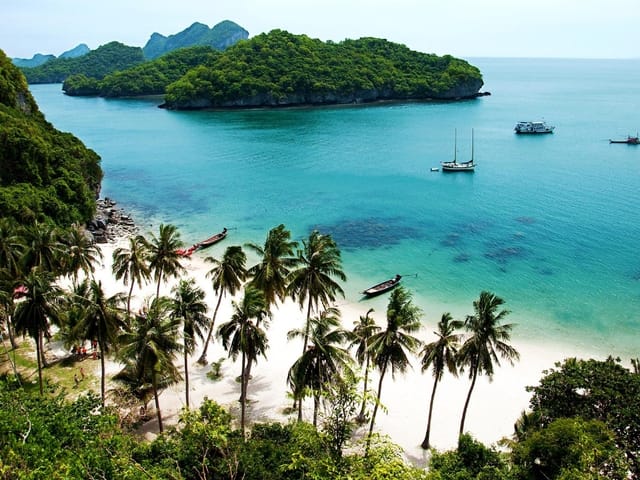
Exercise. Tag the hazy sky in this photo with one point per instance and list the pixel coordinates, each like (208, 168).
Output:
(463, 28)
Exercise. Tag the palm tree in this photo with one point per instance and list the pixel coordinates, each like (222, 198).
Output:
(130, 264)
(323, 361)
(11, 246)
(163, 260)
(441, 355)
(189, 306)
(42, 248)
(226, 276)
(390, 347)
(81, 253)
(149, 350)
(37, 309)
(313, 282)
(488, 342)
(277, 259)
(241, 335)
(101, 321)
(360, 337)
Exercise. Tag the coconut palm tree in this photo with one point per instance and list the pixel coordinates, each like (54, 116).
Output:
(226, 276)
(390, 347)
(39, 306)
(164, 261)
(42, 248)
(440, 355)
(487, 343)
(130, 264)
(241, 336)
(81, 253)
(277, 258)
(322, 363)
(102, 321)
(150, 348)
(189, 306)
(313, 282)
(360, 337)
(11, 246)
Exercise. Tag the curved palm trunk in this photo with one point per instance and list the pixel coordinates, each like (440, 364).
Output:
(186, 377)
(129, 299)
(12, 337)
(103, 375)
(361, 416)
(375, 409)
(425, 442)
(466, 403)
(316, 402)
(243, 393)
(203, 357)
(39, 362)
(157, 400)
(158, 286)
(298, 401)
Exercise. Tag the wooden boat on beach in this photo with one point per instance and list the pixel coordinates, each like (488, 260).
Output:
(213, 239)
(383, 287)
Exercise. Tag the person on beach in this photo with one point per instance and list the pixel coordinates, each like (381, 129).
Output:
(76, 380)
(81, 373)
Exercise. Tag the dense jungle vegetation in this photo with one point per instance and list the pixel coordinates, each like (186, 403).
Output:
(45, 174)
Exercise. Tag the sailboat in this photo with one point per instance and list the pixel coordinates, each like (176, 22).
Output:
(454, 166)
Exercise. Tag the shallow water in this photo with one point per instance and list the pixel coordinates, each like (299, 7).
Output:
(549, 223)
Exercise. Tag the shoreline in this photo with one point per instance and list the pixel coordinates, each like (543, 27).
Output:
(493, 409)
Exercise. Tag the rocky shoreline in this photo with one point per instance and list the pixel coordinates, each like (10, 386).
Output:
(111, 223)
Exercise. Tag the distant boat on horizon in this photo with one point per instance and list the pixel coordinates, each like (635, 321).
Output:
(629, 141)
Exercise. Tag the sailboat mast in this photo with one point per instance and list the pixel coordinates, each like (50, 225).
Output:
(455, 144)
(472, 144)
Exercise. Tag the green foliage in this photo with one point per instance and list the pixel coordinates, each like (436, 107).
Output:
(471, 460)
(44, 173)
(51, 438)
(280, 68)
(148, 78)
(97, 63)
(592, 390)
(570, 448)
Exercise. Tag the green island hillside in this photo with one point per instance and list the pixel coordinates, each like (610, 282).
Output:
(97, 63)
(282, 69)
(45, 174)
(148, 78)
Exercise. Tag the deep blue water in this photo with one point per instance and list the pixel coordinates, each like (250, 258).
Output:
(549, 223)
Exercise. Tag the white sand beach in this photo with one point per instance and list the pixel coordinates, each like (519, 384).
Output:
(493, 409)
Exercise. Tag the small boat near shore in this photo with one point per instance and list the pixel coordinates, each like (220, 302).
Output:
(533, 127)
(629, 141)
(383, 287)
(187, 252)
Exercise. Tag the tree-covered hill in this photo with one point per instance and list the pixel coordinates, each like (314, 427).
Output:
(280, 69)
(44, 173)
(148, 78)
(218, 37)
(95, 64)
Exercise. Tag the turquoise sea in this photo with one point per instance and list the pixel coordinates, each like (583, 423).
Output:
(549, 223)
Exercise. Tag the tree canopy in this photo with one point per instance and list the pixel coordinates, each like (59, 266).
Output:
(44, 173)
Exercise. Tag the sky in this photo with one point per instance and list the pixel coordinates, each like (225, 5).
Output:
(463, 28)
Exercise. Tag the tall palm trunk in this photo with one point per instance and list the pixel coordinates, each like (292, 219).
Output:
(203, 357)
(425, 442)
(12, 337)
(103, 375)
(186, 377)
(243, 393)
(129, 298)
(157, 400)
(39, 362)
(158, 286)
(298, 401)
(466, 403)
(361, 415)
(375, 409)
(316, 402)
(43, 360)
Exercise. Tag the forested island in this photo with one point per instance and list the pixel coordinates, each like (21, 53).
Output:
(282, 69)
